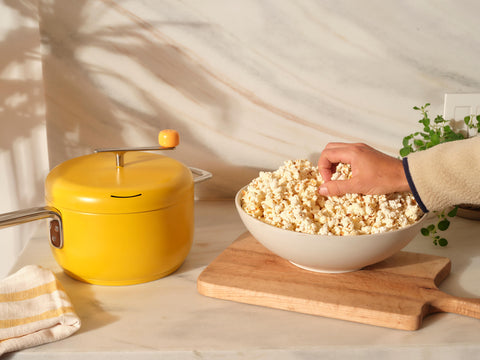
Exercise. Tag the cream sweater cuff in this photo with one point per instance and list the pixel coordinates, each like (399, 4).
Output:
(445, 175)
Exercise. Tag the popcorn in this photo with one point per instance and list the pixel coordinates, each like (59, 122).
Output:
(288, 198)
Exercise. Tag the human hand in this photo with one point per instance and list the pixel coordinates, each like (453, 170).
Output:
(373, 172)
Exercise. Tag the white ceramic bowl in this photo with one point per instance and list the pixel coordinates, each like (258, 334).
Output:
(327, 253)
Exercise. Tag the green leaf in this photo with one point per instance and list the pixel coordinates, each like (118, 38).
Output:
(456, 136)
(442, 242)
(406, 140)
(426, 136)
(435, 139)
(453, 136)
(431, 227)
(453, 212)
(418, 142)
(443, 225)
(425, 231)
(405, 151)
(416, 108)
(425, 122)
(439, 119)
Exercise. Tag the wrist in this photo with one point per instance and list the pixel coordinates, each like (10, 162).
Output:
(402, 181)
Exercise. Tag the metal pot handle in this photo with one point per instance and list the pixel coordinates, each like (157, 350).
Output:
(37, 213)
(201, 175)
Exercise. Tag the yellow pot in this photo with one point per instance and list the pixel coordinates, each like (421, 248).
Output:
(119, 224)
(123, 249)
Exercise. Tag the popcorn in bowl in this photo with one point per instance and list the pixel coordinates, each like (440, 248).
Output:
(288, 198)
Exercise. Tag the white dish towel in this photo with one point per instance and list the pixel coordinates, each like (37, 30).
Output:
(34, 310)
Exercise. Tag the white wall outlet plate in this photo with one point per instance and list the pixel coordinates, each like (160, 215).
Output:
(457, 106)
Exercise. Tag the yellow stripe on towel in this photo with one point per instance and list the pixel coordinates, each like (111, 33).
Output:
(31, 293)
(34, 310)
(43, 316)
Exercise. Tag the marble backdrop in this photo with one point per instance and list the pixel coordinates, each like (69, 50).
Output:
(249, 84)
(23, 140)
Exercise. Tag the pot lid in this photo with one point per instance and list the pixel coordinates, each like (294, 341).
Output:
(93, 184)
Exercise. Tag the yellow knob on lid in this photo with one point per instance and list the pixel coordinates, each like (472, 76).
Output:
(168, 138)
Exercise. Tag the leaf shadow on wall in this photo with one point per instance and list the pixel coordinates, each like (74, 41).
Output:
(23, 149)
(21, 104)
(23, 152)
(139, 61)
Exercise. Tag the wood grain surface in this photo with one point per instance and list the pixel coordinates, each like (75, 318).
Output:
(396, 293)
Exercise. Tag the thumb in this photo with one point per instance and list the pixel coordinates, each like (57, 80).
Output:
(336, 187)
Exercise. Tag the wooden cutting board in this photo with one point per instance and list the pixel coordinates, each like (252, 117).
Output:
(396, 293)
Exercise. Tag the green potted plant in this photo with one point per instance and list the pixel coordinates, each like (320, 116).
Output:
(434, 132)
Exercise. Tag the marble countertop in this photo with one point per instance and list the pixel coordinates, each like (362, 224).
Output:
(168, 318)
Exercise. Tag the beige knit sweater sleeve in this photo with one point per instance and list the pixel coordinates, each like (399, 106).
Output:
(446, 174)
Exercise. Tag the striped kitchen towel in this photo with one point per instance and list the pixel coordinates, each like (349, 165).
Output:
(34, 310)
